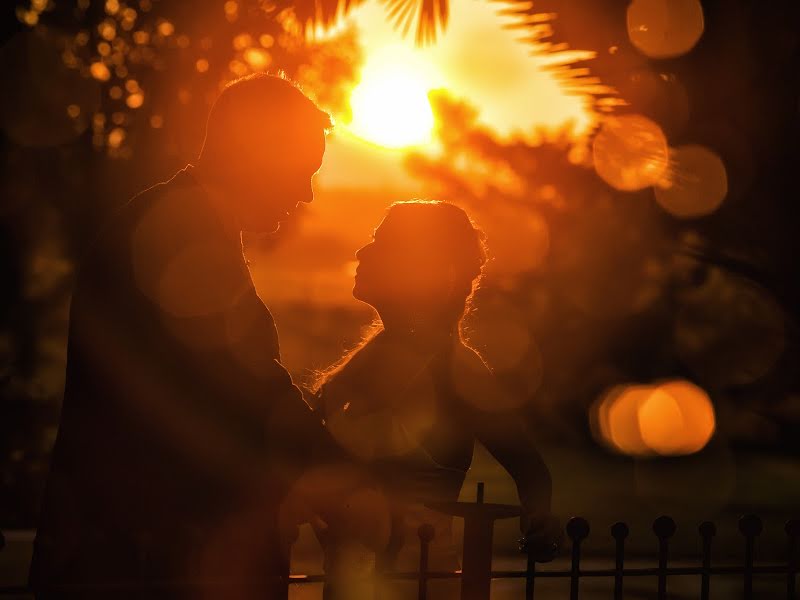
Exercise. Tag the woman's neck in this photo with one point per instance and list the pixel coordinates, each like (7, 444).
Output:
(419, 330)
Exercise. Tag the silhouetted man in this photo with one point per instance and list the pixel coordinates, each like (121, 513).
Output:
(180, 430)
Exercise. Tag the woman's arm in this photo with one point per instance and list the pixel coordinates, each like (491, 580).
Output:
(510, 443)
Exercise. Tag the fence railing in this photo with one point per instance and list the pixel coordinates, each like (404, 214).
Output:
(476, 574)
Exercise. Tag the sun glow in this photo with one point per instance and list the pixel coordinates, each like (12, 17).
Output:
(390, 105)
(514, 91)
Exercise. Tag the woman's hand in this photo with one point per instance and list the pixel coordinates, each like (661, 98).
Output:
(542, 538)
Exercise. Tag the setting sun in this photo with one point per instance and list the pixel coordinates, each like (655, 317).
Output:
(390, 105)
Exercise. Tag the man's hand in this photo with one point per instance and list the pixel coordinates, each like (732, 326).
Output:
(543, 536)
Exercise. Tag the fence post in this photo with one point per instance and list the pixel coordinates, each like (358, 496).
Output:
(792, 529)
(426, 533)
(577, 530)
(479, 518)
(530, 575)
(664, 528)
(750, 526)
(707, 531)
(619, 531)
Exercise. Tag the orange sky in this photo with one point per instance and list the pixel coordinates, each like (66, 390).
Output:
(476, 59)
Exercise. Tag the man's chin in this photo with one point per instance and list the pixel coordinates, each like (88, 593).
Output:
(266, 228)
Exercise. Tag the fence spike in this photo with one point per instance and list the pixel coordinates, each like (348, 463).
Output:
(619, 531)
(792, 529)
(426, 533)
(707, 531)
(750, 526)
(664, 527)
(577, 530)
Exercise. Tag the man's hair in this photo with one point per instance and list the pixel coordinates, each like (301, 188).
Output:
(264, 108)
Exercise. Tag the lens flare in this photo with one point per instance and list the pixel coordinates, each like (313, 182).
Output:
(696, 185)
(673, 418)
(665, 28)
(630, 152)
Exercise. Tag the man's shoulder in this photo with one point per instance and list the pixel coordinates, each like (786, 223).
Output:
(180, 194)
(181, 256)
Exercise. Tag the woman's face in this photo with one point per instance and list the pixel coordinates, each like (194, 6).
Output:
(403, 267)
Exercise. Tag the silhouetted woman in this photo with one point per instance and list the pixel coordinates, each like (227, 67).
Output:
(410, 401)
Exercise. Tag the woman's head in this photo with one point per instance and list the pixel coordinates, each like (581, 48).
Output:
(422, 263)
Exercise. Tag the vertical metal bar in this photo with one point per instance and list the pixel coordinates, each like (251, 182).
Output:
(707, 531)
(619, 531)
(664, 528)
(530, 576)
(577, 530)
(426, 533)
(750, 526)
(792, 529)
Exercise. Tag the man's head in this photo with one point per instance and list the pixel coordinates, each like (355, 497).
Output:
(264, 141)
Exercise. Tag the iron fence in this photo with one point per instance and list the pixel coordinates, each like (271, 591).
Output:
(476, 574)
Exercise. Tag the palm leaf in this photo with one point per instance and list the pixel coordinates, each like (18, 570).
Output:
(548, 27)
(430, 15)
(321, 13)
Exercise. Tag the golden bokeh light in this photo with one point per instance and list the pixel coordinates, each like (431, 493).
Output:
(231, 8)
(107, 30)
(390, 105)
(166, 28)
(620, 412)
(630, 152)
(257, 58)
(141, 37)
(135, 100)
(673, 418)
(100, 71)
(665, 28)
(660, 418)
(696, 183)
(242, 41)
(115, 137)
(697, 411)
(47, 99)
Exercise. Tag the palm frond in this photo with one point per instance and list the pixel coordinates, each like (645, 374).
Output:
(430, 15)
(549, 28)
(321, 13)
